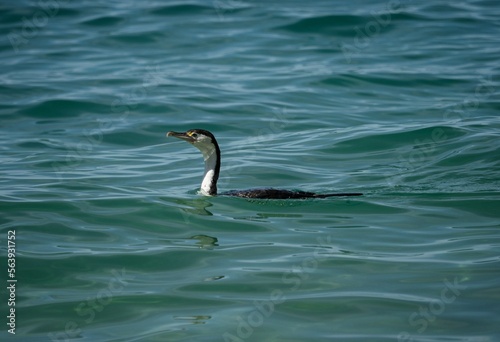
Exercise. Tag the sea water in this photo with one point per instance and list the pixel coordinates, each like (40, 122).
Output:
(395, 99)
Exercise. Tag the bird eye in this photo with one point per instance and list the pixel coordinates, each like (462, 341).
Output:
(194, 135)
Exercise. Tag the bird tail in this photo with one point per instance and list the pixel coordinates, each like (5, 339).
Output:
(345, 194)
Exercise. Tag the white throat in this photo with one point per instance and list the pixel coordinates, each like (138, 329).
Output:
(209, 183)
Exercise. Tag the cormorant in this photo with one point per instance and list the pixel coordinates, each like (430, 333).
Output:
(206, 143)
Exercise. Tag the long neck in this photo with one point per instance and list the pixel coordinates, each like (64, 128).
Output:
(211, 154)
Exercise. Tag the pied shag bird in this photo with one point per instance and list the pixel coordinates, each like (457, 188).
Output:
(207, 144)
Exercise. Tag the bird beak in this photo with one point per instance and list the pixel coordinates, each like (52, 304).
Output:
(182, 136)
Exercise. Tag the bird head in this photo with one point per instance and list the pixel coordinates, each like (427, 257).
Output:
(199, 138)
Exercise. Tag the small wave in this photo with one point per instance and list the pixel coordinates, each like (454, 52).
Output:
(188, 9)
(62, 108)
(103, 21)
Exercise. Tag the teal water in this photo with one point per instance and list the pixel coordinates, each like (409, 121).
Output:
(398, 100)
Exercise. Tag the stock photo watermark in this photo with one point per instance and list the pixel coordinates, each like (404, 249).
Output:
(364, 35)
(34, 23)
(425, 149)
(11, 281)
(87, 310)
(223, 7)
(427, 314)
(292, 280)
(76, 154)
(463, 110)
(278, 121)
